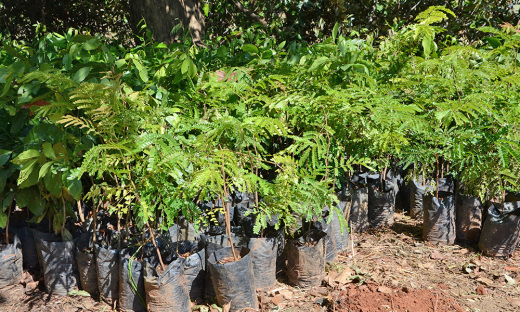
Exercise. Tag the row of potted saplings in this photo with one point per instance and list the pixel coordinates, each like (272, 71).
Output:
(448, 214)
(204, 267)
(200, 266)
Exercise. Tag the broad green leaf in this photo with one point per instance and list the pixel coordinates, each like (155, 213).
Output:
(249, 48)
(74, 186)
(29, 174)
(3, 219)
(143, 72)
(48, 151)
(494, 42)
(81, 74)
(4, 175)
(91, 44)
(44, 169)
(120, 63)
(427, 45)
(26, 155)
(53, 183)
(81, 38)
(4, 156)
(318, 63)
(335, 32)
(205, 9)
(31, 198)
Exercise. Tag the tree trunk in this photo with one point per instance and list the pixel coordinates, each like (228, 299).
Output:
(162, 15)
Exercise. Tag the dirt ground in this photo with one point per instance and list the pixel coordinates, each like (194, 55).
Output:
(385, 270)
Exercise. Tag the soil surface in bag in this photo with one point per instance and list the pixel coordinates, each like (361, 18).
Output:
(501, 232)
(306, 260)
(132, 295)
(264, 252)
(468, 218)
(107, 269)
(30, 256)
(233, 281)
(439, 219)
(166, 291)
(11, 263)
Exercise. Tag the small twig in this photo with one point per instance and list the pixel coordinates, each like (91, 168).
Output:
(80, 212)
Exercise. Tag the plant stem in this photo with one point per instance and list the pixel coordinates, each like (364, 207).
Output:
(64, 216)
(225, 204)
(80, 212)
(152, 235)
(7, 224)
(437, 183)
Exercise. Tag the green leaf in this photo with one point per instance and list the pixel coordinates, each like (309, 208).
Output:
(91, 44)
(205, 9)
(318, 63)
(81, 74)
(48, 151)
(53, 183)
(493, 42)
(5, 155)
(4, 175)
(249, 48)
(31, 198)
(29, 174)
(335, 32)
(81, 38)
(120, 63)
(26, 155)
(427, 45)
(143, 73)
(74, 186)
(3, 219)
(44, 169)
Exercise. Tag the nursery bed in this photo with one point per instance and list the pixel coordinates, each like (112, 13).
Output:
(388, 270)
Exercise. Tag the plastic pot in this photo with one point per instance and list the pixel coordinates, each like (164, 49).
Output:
(11, 263)
(468, 219)
(233, 281)
(131, 283)
(194, 266)
(501, 231)
(212, 244)
(439, 219)
(264, 252)
(30, 256)
(417, 191)
(381, 207)
(358, 205)
(107, 269)
(60, 270)
(306, 261)
(166, 291)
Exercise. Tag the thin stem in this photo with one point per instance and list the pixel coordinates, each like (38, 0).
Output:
(225, 204)
(64, 216)
(80, 212)
(7, 224)
(152, 235)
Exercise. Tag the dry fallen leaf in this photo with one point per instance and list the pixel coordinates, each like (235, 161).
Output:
(485, 281)
(343, 277)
